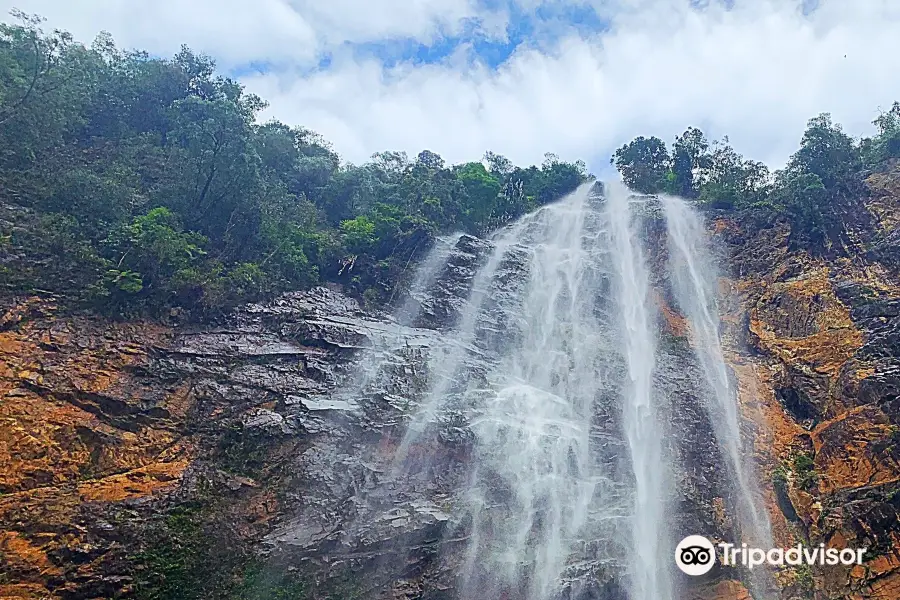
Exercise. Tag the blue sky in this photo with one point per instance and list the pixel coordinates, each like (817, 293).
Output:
(523, 77)
(542, 26)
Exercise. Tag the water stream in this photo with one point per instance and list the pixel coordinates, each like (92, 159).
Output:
(650, 564)
(695, 277)
(552, 370)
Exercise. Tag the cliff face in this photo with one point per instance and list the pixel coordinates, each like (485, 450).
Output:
(218, 462)
(821, 380)
(81, 436)
(223, 462)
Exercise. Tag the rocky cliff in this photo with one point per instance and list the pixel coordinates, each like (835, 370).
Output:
(249, 458)
(815, 346)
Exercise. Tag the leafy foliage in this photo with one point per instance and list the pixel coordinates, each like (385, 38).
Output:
(816, 189)
(644, 164)
(690, 160)
(730, 180)
(259, 583)
(134, 183)
(886, 145)
(141, 184)
(176, 555)
(804, 471)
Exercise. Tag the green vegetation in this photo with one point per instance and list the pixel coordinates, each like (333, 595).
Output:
(188, 556)
(800, 469)
(134, 184)
(893, 496)
(780, 479)
(260, 583)
(894, 435)
(177, 557)
(242, 452)
(804, 471)
(822, 178)
(804, 577)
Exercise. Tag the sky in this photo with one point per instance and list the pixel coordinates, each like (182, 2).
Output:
(578, 78)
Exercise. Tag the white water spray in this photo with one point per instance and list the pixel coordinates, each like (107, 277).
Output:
(444, 367)
(695, 281)
(649, 570)
(551, 370)
(532, 430)
(426, 274)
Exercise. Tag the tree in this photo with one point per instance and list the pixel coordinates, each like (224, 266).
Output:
(643, 163)
(358, 234)
(217, 182)
(137, 182)
(352, 190)
(498, 165)
(827, 152)
(806, 198)
(886, 144)
(690, 160)
(30, 62)
(46, 80)
(155, 258)
(297, 157)
(730, 181)
(558, 178)
(429, 161)
(480, 190)
(392, 164)
(819, 181)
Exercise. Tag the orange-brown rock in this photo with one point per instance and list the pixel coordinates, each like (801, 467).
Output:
(113, 435)
(727, 589)
(824, 386)
(75, 430)
(802, 322)
(145, 460)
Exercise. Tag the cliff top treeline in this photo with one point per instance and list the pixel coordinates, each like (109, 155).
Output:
(132, 183)
(821, 180)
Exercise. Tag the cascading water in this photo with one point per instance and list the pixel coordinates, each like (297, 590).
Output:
(650, 577)
(550, 370)
(532, 482)
(376, 367)
(426, 275)
(444, 367)
(695, 282)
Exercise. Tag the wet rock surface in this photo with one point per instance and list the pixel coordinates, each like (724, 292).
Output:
(273, 442)
(824, 378)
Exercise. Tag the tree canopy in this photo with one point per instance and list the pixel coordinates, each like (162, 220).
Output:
(819, 180)
(135, 183)
(132, 183)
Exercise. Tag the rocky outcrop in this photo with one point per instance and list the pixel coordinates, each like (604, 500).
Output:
(191, 462)
(258, 458)
(824, 386)
(81, 428)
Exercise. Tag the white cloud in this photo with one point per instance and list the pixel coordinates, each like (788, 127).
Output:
(233, 31)
(372, 20)
(240, 31)
(755, 73)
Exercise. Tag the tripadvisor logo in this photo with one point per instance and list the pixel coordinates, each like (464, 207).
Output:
(696, 555)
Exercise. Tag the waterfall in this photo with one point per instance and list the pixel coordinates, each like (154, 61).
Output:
(445, 367)
(554, 375)
(695, 280)
(426, 275)
(532, 427)
(650, 581)
(374, 372)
